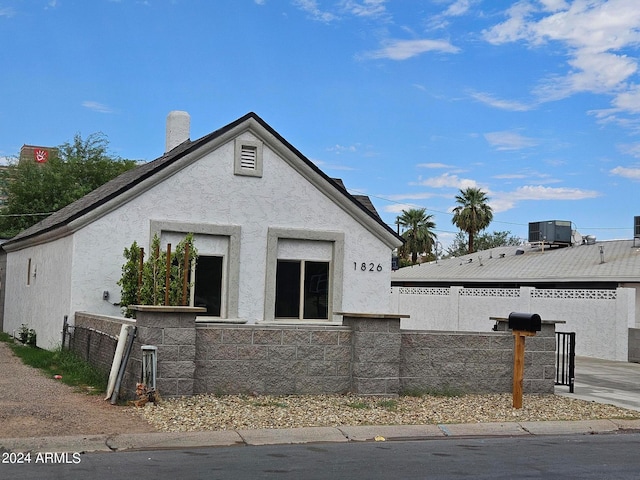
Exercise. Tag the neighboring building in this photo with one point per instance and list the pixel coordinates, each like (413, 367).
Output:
(37, 154)
(278, 240)
(593, 286)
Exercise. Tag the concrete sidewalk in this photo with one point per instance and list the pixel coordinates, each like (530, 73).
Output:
(602, 381)
(157, 441)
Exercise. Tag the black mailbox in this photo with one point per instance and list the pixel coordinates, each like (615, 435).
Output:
(529, 322)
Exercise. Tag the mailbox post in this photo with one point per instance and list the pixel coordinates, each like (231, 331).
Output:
(523, 325)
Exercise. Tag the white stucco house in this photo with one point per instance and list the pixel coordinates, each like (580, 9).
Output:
(594, 287)
(277, 239)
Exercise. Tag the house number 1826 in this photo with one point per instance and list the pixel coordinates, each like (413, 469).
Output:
(367, 267)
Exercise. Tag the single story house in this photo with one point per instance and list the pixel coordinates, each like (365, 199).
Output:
(593, 286)
(277, 239)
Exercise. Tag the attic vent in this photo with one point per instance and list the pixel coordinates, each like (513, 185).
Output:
(248, 158)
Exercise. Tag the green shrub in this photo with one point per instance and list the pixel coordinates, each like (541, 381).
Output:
(390, 404)
(27, 335)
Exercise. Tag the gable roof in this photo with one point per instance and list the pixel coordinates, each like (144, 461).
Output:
(362, 199)
(91, 205)
(531, 264)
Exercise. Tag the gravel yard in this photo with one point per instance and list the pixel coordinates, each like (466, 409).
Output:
(33, 405)
(210, 412)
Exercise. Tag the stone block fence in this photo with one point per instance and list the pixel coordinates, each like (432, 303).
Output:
(367, 355)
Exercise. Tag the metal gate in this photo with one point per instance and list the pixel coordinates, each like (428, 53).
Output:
(565, 359)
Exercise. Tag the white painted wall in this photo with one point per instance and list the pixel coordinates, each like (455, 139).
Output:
(636, 287)
(42, 304)
(600, 318)
(87, 263)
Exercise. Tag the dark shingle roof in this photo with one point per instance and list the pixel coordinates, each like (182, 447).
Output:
(127, 180)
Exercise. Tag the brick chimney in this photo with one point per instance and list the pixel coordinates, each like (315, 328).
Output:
(178, 125)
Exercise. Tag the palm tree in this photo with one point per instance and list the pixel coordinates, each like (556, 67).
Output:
(472, 215)
(419, 233)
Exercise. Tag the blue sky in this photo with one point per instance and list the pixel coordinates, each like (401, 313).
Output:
(537, 102)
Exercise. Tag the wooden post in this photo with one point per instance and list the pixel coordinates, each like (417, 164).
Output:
(185, 274)
(518, 365)
(167, 280)
(140, 269)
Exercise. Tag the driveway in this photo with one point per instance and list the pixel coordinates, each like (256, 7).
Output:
(33, 405)
(606, 381)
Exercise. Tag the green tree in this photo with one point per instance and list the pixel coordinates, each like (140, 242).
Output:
(418, 232)
(473, 214)
(154, 275)
(484, 241)
(32, 189)
(130, 294)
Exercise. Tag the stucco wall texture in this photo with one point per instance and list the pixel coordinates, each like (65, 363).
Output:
(600, 318)
(74, 272)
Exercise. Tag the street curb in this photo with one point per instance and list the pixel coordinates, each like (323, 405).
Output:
(343, 434)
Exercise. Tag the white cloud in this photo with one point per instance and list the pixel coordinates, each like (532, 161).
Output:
(410, 196)
(593, 72)
(509, 140)
(629, 100)
(509, 105)
(539, 192)
(514, 28)
(7, 12)
(398, 207)
(332, 166)
(434, 165)
(554, 5)
(631, 173)
(632, 149)
(312, 8)
(259, 2)
(342, 148)
(510, 176)
(447, 181)
(503, 201)
(457, 8)
(366, 8)
(595, 34)
(405, 49)
(97, 107)
(542, 178)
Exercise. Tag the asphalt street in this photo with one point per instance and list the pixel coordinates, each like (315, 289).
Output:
(583, 457)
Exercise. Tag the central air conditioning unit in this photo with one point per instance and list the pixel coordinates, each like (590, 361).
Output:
(551, 232)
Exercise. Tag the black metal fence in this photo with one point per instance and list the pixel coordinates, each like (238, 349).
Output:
(565, 359)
